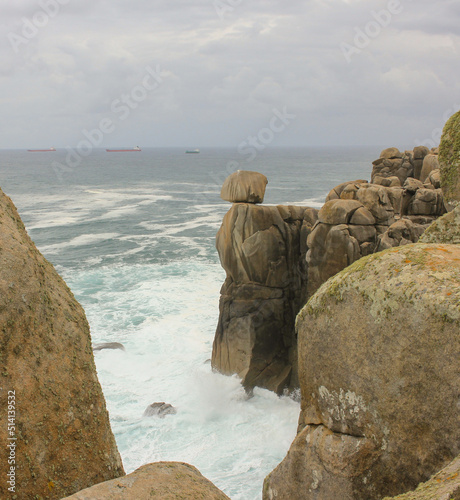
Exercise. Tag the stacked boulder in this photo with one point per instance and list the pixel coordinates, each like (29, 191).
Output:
(349, 225)
(394, 167)
(262, 249)
(413, 178)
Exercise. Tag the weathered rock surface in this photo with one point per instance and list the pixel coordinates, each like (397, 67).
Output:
(336, 192)
(348, 229)
(262, 250)
(422, 199)
(159, 410)
(64, 440)
(158, 481)
(446, 229)
(449, 160)
(430, 163)
(401, 232)
(379, 376)
(419, 155)
(394, 164)
(244, 186)
(433, 181)
(445, 485)
(391, 153)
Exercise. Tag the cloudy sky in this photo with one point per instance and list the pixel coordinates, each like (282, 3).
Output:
(200, 73)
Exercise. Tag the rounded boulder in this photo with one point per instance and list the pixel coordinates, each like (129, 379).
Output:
(244, 186)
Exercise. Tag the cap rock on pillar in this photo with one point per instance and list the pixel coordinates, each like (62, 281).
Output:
(244, 186)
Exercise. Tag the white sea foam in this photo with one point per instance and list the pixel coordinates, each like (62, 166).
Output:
(82, 240)
(166, 317)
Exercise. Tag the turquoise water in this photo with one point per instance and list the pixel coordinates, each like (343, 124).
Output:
(133, 235)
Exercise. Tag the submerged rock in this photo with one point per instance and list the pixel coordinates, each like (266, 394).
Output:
(378, 366)
(108, 345)
(158, 481)
(64, 440)
(159, 410)
(244, 186)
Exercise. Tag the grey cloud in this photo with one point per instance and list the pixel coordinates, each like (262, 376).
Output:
(226, 74)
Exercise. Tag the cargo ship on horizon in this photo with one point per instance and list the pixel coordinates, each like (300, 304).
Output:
(136, 148)
(41, 150)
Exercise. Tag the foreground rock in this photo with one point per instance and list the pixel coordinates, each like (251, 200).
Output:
(445, 485)
(158, 481)
(244, 186)
(378, 368)
(64, 441)
(262, 250)
(449, 159)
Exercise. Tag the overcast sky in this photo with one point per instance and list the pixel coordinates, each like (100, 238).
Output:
(199, 73)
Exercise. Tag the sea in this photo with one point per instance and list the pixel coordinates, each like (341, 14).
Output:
(133, 235)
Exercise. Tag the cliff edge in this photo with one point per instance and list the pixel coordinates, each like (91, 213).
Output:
(58, 434)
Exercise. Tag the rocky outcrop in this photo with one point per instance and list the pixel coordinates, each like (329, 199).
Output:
(394, 166)
(449, 160)
(277, 257)
(393, 163)
(159, 410)
(445, 485)
(446, 229)
(262, 250)
(378, 368)
(244, 186)
(59, 432)
(347, 229)
(422, 199)
(401, 232)
(359, 218)
(158, 481)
